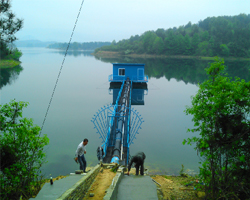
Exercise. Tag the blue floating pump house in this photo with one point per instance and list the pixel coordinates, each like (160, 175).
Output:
(133, 71)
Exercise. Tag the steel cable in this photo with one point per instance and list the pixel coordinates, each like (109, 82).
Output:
(61, 68)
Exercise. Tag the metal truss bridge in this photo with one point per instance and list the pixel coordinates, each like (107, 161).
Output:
(117, 124)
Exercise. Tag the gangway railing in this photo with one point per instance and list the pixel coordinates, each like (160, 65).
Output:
(117, 78)
(98, 121)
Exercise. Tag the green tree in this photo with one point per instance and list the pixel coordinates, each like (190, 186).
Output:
(188, 25)
(187, 45)
(9, 25)
(180, 48)
(160, 32)
(194, 43)
(21, 152)
(220, 112)
(148, 40)
(194, 29)
(224, 50)
(205, 36)
(203, 49)
(158, 45)
(138, 47)
(170, 42)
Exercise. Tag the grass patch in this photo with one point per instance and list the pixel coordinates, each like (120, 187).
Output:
(179, 187)
(8, 63)
(225, 58)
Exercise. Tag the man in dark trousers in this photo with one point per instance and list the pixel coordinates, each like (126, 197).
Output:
(138, 159)
(80, 151)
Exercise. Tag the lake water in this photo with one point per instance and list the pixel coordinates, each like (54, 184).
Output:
(83, 88)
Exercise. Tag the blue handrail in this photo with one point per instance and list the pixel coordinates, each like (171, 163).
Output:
(116, 78)
(112, 120)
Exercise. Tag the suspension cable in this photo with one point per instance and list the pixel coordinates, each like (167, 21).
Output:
(61, 68)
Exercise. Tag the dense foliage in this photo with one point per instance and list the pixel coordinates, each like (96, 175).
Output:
(215, 36)
(22, 153)
(79, 46)
(220, 112)
(9, 25)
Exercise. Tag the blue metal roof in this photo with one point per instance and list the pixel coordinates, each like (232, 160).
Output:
(129, 64)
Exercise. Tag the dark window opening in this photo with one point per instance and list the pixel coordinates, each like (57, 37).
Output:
(121, 72)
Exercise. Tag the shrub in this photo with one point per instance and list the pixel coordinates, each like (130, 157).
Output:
(220, 112)
(21, 152)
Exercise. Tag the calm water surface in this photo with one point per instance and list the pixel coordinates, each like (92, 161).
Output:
(82, 89)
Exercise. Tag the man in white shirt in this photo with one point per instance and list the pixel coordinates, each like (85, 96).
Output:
(80, 151)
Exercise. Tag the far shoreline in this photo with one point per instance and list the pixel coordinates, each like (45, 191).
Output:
(113, 54)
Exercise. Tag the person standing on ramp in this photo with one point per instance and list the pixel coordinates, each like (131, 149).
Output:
(138, 159)
(80, 151)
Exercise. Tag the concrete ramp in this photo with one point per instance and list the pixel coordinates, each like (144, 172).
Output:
(52, 192)
(137, 187)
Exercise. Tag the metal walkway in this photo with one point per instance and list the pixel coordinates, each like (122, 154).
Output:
(137, 187)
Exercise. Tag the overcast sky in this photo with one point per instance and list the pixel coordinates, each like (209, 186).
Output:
(108, 20)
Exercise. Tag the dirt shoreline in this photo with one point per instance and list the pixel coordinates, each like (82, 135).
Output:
(112, 54)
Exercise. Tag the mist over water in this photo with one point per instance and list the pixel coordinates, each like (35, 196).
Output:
(83, 88)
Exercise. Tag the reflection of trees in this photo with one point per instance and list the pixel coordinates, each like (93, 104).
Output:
(187, 70)
(75, 53)
(8, 75)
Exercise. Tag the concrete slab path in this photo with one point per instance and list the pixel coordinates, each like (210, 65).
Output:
(52, 192)
(137, 187)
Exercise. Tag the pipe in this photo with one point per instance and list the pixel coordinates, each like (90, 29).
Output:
(122, 112)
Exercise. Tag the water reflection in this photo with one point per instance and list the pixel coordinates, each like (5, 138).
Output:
(137, 95)
(9, 75)
(186, 70)
(74, 53)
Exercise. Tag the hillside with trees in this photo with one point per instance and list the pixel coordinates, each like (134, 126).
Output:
(226, 36)
(78, 46)
(9, 26)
